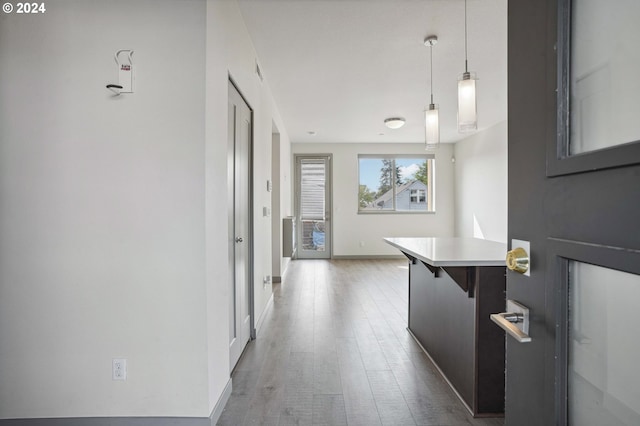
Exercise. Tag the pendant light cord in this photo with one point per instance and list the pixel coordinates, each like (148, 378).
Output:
(431, 69)
(465, 37)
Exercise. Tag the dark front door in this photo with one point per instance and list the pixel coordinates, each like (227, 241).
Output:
(574, 195)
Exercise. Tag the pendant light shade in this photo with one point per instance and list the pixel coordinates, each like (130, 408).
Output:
(431, 127)
(467, 108)
(431, 113)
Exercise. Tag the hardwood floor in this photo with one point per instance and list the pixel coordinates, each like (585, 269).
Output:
(334, 350)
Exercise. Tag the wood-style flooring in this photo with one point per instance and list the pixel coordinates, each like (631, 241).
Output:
(334, 350)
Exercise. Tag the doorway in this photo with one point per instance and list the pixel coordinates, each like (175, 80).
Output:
(239, 154)
(313, 206)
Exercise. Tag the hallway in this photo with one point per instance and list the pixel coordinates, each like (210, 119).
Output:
(334, 350)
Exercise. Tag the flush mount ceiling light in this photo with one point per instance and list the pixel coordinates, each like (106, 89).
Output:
(467, 110)
(431, 115)
(394, 122)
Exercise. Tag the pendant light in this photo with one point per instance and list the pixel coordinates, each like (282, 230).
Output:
(467, 110)
(431, 115)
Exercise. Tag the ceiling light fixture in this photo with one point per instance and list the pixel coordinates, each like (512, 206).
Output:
(394, 122)
(467, 110)
(431, 114)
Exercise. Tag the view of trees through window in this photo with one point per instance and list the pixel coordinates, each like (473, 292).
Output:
(394, 183)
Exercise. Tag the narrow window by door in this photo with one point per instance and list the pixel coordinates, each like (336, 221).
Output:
(313, 206)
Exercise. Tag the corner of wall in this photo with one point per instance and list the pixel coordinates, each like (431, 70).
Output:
(481, 184)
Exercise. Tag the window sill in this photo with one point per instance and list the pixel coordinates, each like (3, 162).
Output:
(382, 212)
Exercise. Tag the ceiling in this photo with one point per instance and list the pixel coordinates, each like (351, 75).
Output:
(340, 67)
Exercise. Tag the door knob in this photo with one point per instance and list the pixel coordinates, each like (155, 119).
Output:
(518, 260)
(239, 239)
(515, 321)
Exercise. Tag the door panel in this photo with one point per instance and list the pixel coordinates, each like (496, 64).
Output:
(313, 206)
(599, 71)
(594, 288)
(602, 353)
(238, 162)
(597, 99)
(578, 211)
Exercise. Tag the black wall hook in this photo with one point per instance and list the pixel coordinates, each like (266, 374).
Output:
(114, 86)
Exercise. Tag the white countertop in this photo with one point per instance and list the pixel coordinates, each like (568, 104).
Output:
(445, 251)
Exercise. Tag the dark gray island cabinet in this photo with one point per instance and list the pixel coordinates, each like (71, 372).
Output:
(454, 285)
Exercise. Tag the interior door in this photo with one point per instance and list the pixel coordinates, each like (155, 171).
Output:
(574, 195)
(240, 236)
(313, 206)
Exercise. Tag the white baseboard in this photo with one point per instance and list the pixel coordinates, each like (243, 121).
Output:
(222, 401)
(369, 257)
(264, 314)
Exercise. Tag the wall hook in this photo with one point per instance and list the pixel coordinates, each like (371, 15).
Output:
(124, 61)
(115, 88)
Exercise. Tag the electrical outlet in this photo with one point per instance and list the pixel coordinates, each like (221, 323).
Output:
(119, 369)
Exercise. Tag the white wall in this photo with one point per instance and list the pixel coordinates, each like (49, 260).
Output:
(286, 195)
(481, 185)
(350, 229)
(276, 222)
(280, 201)
(102, 211)
(230, 52)
(114, 242)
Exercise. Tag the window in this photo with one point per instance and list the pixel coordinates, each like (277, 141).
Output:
(395, 183)
(418, 196)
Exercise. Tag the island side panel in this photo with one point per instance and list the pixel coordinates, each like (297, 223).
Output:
(490, 295)
(442, 317)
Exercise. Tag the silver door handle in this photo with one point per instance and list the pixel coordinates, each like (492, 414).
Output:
(239, 239)
(515, 321)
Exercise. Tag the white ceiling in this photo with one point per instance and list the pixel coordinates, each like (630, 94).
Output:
(340, 67)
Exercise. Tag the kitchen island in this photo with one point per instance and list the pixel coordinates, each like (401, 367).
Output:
(454, 285)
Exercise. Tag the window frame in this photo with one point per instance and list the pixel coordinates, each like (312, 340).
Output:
(559, 160)
(429, 193)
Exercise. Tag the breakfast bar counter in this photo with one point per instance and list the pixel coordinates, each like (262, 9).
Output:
(454, 285)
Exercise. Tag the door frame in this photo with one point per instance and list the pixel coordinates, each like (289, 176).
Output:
(328, 200)
(232, 218)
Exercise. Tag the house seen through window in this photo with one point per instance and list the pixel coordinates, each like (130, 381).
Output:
(395, 183)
